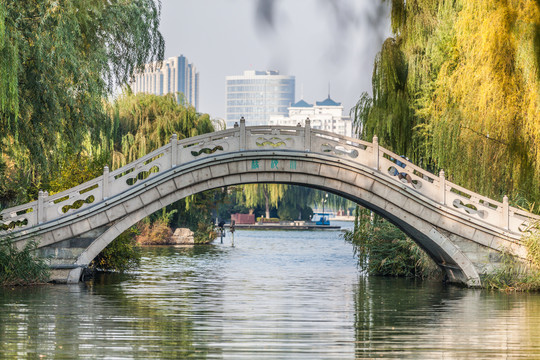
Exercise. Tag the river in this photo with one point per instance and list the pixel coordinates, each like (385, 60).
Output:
(274, 295)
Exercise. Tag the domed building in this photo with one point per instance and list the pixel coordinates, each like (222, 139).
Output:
(324, 115)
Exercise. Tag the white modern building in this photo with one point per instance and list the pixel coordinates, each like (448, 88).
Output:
(258, 95)
(324, 115)
(175, 76)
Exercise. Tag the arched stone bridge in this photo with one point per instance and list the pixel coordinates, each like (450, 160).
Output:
(462, 231)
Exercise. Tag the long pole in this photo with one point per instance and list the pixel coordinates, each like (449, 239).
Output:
(324, 200)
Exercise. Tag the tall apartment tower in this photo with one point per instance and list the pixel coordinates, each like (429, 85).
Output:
(176, 75)
(257, 95)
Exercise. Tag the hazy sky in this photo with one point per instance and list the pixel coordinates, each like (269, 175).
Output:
(317, 41)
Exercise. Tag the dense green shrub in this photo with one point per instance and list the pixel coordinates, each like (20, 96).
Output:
(269, 220)
(21, 267)
(383, 249)
(120, 255)
(205, 233)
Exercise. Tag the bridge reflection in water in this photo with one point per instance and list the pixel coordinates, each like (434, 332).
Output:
(462, 231)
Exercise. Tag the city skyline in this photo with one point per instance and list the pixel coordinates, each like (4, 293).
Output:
(175, 75)
(233, 36)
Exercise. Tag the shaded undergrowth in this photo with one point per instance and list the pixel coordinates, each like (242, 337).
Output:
(383, 249)
(21, 267)
(120, 255)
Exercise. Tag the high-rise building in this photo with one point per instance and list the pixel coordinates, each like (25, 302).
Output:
(257, 95)
(176, 75)
(324, 115)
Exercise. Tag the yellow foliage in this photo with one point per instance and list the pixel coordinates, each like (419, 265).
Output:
(158, 233)
(491, 94)
(467, 98)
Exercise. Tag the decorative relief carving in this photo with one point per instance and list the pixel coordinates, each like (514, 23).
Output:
(469, 208)
(525, 227)
(339, 150)
(21, 222)
(78, 204)
(273, 141)
(13, 224)
(142, 175)
(404, 177)
(207, 150)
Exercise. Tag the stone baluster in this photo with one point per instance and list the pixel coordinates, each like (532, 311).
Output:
(505, 213)
(442, 184)
(307, 135)
(105, 188)
(376, 152)
(242, 133)
(174, 150)
(42, 195)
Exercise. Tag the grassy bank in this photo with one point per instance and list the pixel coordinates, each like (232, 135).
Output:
(516, 275)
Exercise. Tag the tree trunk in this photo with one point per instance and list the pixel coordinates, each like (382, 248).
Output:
(267, 204)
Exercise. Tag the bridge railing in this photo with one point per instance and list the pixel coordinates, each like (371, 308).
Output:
(18, 217)
(71, 200)
(141, 169)
(350, 148)
(201, 146)
(298, 138)
(437, 188)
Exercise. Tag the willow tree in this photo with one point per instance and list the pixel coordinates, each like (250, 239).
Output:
(489, 95)
(59, 61)
(142, 123)
(266, 195)
(458, 88)
(387, 113)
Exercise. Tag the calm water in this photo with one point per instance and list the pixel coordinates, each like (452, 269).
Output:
(275, 295)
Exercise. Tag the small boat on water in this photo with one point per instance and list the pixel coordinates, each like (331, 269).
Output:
(321, 218)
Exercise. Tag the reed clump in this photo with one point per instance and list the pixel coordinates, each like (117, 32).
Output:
(21, 267)
(515, 275)
(205, 233)
(121, 255)
(383, 249)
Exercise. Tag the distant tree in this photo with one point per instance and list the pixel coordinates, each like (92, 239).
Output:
(267, 195)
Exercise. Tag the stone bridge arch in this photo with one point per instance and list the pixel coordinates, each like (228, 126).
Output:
(462, 231)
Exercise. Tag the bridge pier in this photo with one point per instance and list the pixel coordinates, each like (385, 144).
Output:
(62, 256)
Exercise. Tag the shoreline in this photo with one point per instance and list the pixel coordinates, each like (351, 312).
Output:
(271, 226)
